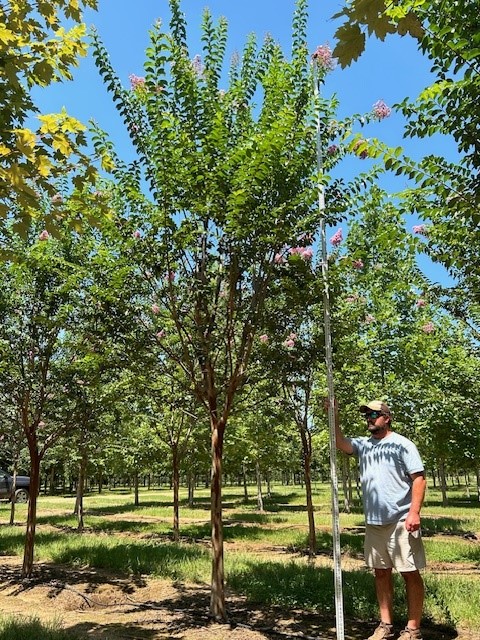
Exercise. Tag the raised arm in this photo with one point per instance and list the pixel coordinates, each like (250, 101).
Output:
(341, 442)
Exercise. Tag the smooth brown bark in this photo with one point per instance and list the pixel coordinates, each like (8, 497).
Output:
(27, 567)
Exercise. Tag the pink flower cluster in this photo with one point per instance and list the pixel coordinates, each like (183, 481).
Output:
(357, 264)
(351, 299)
(44, 235)
(380, 110)
(136, 82)
(155, 309)
(306, 253)
(57, 199)
(369, 319)
(428, 327)
(279, 258)
(136, 234)
(420, 229)
(289, 342)
(263, 338)
(420, 303)
(161, 334)
(322, 56)
(332, 150)
(337, 238)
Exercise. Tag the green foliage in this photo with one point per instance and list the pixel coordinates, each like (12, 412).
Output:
(37, 50)
(32, 629)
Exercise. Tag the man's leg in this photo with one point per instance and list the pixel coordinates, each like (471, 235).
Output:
(384, 589)
(415, 596)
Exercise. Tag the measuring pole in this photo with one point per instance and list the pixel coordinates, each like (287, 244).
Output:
(337, 569)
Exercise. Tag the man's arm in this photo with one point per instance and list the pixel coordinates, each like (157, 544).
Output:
(341, 442)
(412, 523)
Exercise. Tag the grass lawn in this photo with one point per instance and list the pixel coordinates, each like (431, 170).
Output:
(264, 552)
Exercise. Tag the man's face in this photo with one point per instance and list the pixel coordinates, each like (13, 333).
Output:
(377, 423)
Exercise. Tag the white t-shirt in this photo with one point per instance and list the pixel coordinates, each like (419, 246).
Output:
(385, 466)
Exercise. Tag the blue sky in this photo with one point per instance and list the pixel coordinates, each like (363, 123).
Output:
(390, 70)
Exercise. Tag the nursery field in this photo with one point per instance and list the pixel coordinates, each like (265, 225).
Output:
(124, 577)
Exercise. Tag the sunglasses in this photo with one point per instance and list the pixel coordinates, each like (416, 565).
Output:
(373, 415)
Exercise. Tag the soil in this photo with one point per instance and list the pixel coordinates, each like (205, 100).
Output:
(100, 605)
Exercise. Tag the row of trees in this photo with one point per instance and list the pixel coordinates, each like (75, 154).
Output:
(195, 301)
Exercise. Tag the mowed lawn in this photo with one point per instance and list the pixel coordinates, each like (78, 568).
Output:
(264, 551)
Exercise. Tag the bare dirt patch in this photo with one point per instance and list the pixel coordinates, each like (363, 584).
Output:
(104, 606)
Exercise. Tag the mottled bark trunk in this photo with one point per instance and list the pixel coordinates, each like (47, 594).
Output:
(217, 596)
(307, 458)
(12, 494)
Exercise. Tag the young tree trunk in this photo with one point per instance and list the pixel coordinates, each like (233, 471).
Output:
(135, 488)
(269, 486)
(52, 480)
(80, 492)
(217, 595)
(176, 490)
(307, 459)
(443, 482)
(259, 487)
(191, 489)
(12, 494)
(27, 567)
(478, 483)
(245, 484)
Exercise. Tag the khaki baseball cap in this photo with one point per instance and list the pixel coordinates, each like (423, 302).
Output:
(375, 405)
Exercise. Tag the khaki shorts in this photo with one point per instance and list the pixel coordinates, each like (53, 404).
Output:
(392, 546)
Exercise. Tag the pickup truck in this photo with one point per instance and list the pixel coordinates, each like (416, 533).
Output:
(22, 490)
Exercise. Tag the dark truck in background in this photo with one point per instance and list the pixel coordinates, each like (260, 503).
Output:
(22, 488)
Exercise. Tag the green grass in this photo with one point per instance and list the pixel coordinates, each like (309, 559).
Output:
(32, 629)
(138, 540)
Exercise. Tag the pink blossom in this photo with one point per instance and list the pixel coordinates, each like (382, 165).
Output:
(155, 309)
(380, 110)
(57, 199)
(44, 235)
(322, 56)
(161, 334)
(420, 229)
(337, 238)
(351, 299)
(263, 338)
(292, 336)
(134, 128)
(332, 150)
(362, 154)
(307, 253)
(289, 343)
(279, 258)
(421, 303)
(369, 319)
(136, 82)
(41, 424)
(357, 264)
(137, 234)
(428, 327)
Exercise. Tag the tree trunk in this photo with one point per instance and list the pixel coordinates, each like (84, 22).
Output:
(27, 567)
(217, 595)
(259, 487)
(478, 483)
(307, 457)
(135, 488)
(12, 494)
(245, 484)
(80, 492)
(191, 489)
(176, 489)
(443, 482)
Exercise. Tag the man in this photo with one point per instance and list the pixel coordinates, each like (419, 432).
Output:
(393, 489)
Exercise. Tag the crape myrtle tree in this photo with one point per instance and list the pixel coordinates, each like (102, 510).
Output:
(230, 166)
(445, 194)
(41, 296)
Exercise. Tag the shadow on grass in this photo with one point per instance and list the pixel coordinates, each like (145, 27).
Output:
(32, 629)
(444, 525)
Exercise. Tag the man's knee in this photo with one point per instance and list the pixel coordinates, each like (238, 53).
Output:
(383, 574)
